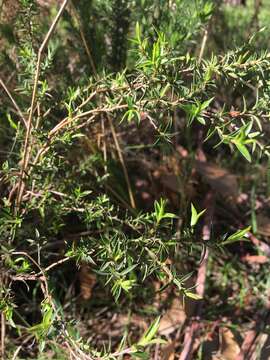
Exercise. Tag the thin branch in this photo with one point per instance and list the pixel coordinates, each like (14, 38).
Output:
(3, 335)
(59, 262)
(68, 120)
(27, 142)
(13, 102)
(44, 279)
(16, 352)
(104, 146)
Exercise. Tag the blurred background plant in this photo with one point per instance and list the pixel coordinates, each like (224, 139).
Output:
(134, 179)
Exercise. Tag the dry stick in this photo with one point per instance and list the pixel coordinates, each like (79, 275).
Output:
(251, 339)
(42, 271)
(97, 111)
(3, 335)
(121, 158)
(44, 279)
(27, 147)
(61, 261)
(1, 8)
(66, 121)
(104, 146)
(124, 203)
(16, 352)
(3, 325)
(247, 344)
(205, 36)
(13, 102)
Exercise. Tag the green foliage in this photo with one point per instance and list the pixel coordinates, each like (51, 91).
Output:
(137, 66)
(195, 215)
(239, 235)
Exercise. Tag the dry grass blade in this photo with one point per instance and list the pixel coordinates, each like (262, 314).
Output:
(82, 35)
(121, 158)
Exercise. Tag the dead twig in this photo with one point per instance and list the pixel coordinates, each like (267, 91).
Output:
(3, 335)
(13, 102)
(249, 344)
(204, 40)
(37, 277)
(104, 146)
(59, 262)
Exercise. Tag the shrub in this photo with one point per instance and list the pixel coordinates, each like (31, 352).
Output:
(119, 87)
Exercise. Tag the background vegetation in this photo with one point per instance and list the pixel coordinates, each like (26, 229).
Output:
(134, 179)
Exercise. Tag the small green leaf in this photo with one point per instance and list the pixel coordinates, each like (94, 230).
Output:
(195, 216)
(201, 120)
(160, 211)
(233, 75)
(11, 122)
(169, 216)
(164, 90)
(206, 103)
(192, 295)
(8, 311)
(138, 32)
(126, 285)
(157, 341)
(150, 333)
(141, 355)
(129, 269)
(243, 150)
(237, 236)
